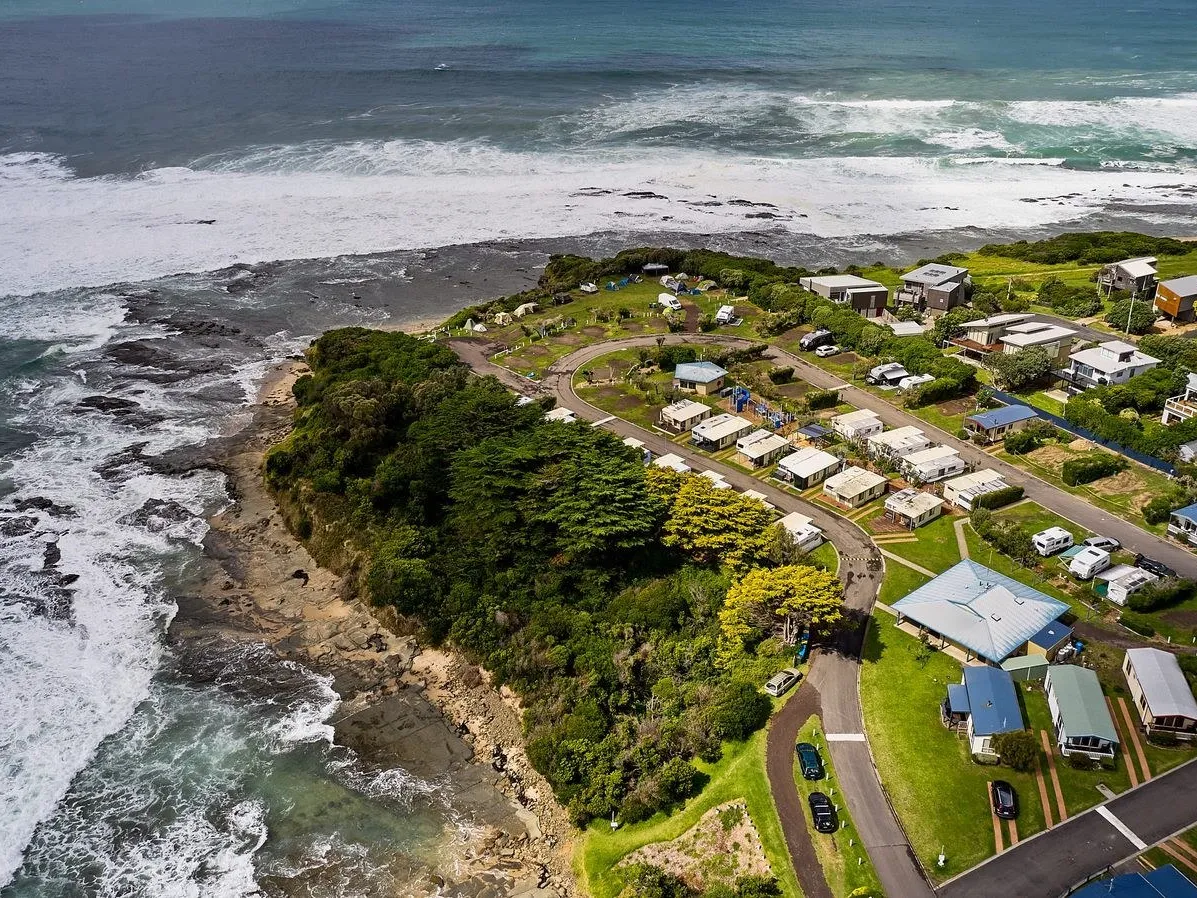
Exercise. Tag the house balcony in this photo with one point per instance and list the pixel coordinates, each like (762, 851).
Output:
(911, 296)
(1076, 382)
(1179, 408)
(1186, 532)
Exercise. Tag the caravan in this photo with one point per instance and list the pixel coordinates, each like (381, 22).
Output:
(1052, 540)
(1089, 561)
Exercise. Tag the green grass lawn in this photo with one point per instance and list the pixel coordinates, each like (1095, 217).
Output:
(740, 773)
(936, 549)
(825, 556)
(939, 793)
(899, 581)
(846, 866)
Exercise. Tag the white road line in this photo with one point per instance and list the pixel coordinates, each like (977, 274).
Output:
(603, 421)
(845, 737)
(1120, 826)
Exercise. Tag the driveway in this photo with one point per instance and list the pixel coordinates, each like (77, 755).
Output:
(1051, 863)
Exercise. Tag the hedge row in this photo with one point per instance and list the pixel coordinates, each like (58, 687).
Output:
(999, 498)
(1093, 467)
(1137, 622)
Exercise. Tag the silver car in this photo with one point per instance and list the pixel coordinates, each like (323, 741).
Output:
(781, 683)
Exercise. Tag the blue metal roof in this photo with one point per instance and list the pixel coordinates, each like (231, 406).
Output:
(993, 701)
(1051, 635)
(814, 431)
(699, 372)
(1007, 414)
(958, 698)
(1189, 511)
(986, 612)
(1162, 882)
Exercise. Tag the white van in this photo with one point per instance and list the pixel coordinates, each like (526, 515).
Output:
(669, 301)
(1089, 561)
(1052, 540)
(725, 315)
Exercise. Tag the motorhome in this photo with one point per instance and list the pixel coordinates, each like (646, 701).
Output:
(1052, 540)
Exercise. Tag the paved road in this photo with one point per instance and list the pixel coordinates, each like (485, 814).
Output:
(832, 689)
(1064, 503)
(1052, 862)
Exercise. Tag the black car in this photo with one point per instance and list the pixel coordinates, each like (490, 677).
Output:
(809, 761)
(822, 812)
(1156, 567)
(1005, 799)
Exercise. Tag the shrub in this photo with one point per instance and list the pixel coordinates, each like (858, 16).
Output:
(737, 711)
(757, 887)
(1158, 510)
(1018, 750)
(707, 323)
(1094, 247)
(669, 357)
(1082, 762)
(1137, 622)
(817, 399)
(1163, 740)
(650, 881)
(999, 498)
(1085, 470)
(1139, 314)
(677, 779)
(1161, 594)
(782, 375)
(1005, 536)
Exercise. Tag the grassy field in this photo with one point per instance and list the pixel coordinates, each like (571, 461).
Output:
(899, 581)
(939, 793)
(607, 388)
(740, 773)
(825, 556)
(935, 549)
(846, 866)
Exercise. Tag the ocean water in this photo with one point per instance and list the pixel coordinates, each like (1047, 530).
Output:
(146, 142)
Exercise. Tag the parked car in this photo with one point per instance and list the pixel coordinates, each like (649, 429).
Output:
(781, 683)
(822, 812)
(1052, 540)
(1156, 567)
(1005, 799)
(1108, 543)
(824, 352)
(815, 339)
(809, 761)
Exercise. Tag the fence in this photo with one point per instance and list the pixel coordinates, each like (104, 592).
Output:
(1064, 424)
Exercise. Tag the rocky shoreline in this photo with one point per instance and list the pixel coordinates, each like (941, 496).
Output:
(426, 711)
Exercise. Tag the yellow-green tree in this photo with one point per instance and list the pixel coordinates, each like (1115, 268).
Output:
(715, 526)
(794, 595)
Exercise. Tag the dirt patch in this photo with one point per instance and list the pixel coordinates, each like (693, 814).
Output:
(1051, 457)
(848, 358)
(614, 398)
(567, 339)
(1125, 485)
(957, 406)
(722, 846)
(1181, 618)
(633, 327)
(794, 390)
(1079, 445)
(533, 350)
(693, 313)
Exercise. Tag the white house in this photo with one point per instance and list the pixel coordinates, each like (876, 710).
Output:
(717, 480)
(1112, 362)
(1123, 581)
(913, 508)
(680, 416)
(1182, 408)
(962, 490)
(1056, 341)
(806, 535)
(761, 447)
(854, 487)
(857, 425)
(808, 466)
(673, 463)
(930, 465)
(896, 443)
(719, 432)
(1160, 693)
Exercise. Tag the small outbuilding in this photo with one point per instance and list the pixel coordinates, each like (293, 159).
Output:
(703, 378)
(1048, 641)
(994, 424)
(1160, 693)
(808, 467)
(913, 508)
(682, 415)
(1079, 713)
(761, 448)
(1026, 668)
(854, 487)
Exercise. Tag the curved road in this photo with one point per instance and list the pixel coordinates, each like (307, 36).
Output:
(832, 687)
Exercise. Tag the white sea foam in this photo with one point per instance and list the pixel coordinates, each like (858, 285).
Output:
(320, 200)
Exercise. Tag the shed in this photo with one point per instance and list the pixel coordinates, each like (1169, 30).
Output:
(1161, 693)
(1048, 641)
(994, 424)
(1025, 668)
(1079, 712)
(808, 467)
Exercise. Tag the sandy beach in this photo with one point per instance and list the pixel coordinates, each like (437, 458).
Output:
(427, 711)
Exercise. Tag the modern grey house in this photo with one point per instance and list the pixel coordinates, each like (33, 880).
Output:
(866, 297)
(1133, 275)
(934, 286)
